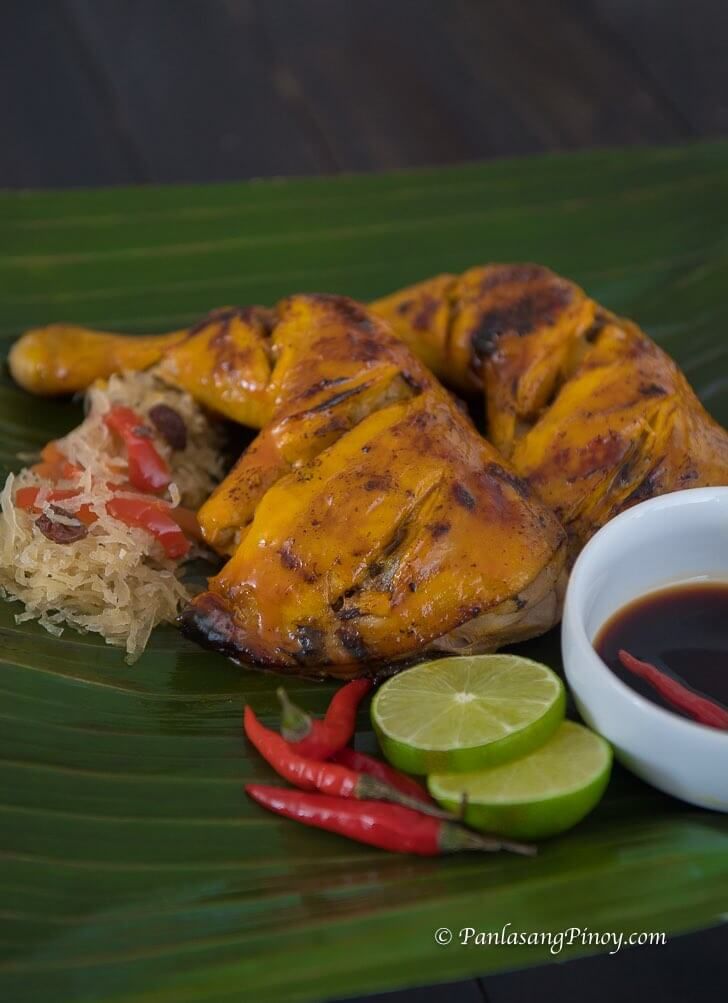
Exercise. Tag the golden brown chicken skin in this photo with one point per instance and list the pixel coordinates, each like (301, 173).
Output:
(65, 358)
(448, 322)
(623, 426)
(453, 322)
(370, 522)
(587, 408)
(223, 361)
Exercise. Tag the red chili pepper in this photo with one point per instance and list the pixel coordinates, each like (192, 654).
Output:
(387, 826)
(315, 775)
(362, 763)
(154, 517)
(700, 708)
(321, 739)
(148, 471)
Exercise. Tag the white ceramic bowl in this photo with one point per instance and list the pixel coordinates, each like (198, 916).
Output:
(680, 537)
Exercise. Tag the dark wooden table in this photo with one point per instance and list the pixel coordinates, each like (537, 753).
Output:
(99, 92)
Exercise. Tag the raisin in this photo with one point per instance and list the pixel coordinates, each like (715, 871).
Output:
(170, 425)
(61, 532)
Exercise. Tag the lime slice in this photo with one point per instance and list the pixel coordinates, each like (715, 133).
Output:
(541, 794)
(465, 712)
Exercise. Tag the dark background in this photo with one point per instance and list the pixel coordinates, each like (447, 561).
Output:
(105, 92)
(100, 92)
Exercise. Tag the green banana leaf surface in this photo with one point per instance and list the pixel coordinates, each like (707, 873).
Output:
(132, 867)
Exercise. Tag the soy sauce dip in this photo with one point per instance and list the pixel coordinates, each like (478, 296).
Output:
(682, 630)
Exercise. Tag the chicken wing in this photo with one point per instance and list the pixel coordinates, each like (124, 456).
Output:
(369, 521)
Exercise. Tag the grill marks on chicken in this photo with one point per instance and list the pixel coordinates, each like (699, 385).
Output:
(369, 521)
(224, 363)
(585, 406)
(589, 411)
(624, 426)
(320, 392)
(454, 323)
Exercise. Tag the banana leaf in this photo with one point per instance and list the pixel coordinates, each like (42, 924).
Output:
(133, 869)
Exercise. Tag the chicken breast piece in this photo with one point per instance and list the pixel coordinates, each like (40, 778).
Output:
(370, 522)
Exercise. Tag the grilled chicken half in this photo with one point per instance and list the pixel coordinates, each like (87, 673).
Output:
(369, 521)
(449, 322)
(587, 408)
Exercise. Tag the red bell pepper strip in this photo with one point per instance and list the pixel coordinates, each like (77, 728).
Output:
(25, 498)
(163, 522)
(155, 518)
(54, 465)
(148, 471)
(700, 708)
(387, 826)
(321, 739)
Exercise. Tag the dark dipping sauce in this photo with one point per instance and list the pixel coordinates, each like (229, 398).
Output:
(683, 631)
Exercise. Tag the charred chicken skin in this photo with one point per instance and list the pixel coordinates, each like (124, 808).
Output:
(369, 521)
(587, 408)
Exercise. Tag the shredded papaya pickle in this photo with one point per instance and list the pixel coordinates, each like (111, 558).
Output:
(93, 536)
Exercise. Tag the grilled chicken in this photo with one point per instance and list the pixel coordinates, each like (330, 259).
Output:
(587, 408)
(448, 322)
(66, 358)
(223, 361)
(458, 320)
(624, 426)
(369, 521)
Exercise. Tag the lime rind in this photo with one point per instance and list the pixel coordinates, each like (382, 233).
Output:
(540, 795)
(462, 713)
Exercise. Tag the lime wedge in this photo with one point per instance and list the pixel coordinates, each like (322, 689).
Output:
(544, 793)
(465, 712)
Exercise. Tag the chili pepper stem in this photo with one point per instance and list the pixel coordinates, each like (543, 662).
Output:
(463, 805)
(455, 837)
(369, 788)
(362, 763)
(322, 738)
(295, 722)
